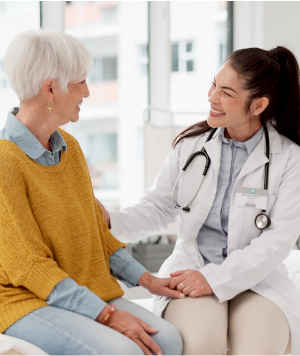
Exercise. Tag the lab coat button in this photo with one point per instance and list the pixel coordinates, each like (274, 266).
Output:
(202, 213)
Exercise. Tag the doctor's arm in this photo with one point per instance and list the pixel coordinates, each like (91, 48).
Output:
(243, 269)
(155, 211)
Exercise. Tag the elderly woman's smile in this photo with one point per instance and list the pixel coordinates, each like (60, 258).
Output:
(66, 106)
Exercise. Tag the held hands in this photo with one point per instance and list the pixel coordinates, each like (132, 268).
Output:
(190, 282)
(134, 328)
(159, 286)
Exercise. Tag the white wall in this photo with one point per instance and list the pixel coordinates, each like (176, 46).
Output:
(282, 26)
(267, 24)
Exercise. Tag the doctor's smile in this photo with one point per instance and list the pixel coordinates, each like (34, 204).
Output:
(215, 112)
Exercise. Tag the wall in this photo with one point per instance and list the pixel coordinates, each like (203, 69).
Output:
(267, 24)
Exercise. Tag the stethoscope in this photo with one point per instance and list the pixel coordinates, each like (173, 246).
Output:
(262, 221)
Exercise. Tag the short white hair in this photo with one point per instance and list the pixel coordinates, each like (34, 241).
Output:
(34, 56)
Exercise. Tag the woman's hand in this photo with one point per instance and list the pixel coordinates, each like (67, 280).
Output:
(159, 286)
(135, 329)
(193, 282)
(105, 213)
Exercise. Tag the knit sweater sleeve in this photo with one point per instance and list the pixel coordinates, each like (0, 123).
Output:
(112, 244)
(24, 258)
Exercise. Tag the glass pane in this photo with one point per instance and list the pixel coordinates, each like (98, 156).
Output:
(96, 74)
(200, 29)
(15, 17)
(110, 129)
(189, 47)
(109, 14)
(110, 68)
(190, 66)
(175, 61)
(102, 156)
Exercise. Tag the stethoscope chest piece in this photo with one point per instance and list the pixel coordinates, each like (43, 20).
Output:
(262, 221)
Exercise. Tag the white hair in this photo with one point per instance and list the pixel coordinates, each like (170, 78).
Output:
(34, 56)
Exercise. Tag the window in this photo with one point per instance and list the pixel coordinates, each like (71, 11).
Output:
(109, 68)
(143, 60)
(175, 57)
(110, 129)
(109, 15)
(182, 57)
(3, 79)
(105, 69)
(102, 157)
(198, 33)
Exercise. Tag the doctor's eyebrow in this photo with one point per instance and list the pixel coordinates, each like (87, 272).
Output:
(228, 88)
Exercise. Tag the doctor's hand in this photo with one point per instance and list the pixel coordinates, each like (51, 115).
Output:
(159, 286)
(191, 283)
(105, 213)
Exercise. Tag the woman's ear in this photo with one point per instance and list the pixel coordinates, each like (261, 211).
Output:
(47, 89)
(259, 105)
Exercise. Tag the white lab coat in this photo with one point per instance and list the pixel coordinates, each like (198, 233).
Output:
(254, 259)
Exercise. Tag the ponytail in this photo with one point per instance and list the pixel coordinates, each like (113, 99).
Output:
(287, 117)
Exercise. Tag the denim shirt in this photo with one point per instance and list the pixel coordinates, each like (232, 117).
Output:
(212, 237)
(67, 294)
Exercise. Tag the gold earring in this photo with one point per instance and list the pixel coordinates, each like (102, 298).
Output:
(50, 108)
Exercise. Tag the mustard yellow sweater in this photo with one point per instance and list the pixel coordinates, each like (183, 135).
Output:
(50, 228)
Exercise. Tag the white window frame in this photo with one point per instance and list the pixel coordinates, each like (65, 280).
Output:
(185, 56)
(53, 15)
(143, 60)
(3, 76)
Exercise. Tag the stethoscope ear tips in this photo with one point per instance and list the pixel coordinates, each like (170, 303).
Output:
(187, 209)
(262, 221)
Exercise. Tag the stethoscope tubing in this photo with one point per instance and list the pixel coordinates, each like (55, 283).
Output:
(262, 221)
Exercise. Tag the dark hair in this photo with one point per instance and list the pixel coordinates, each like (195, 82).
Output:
(273, 74)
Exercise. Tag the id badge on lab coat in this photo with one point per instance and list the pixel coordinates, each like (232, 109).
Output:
(251, 198)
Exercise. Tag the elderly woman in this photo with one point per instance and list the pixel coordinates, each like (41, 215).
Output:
(58, 259)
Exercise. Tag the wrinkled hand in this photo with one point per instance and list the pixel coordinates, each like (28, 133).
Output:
(159, 286)
(105, 213)
(136, 330)
(195, 284)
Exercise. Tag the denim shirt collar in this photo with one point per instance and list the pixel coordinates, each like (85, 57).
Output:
(23, 137)
(247, 145)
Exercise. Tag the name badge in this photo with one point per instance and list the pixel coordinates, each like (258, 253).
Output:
(251, 198)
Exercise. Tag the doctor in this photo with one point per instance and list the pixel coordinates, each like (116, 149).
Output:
(245, 219)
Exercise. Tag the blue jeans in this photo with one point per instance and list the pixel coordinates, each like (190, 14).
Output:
(61, 332)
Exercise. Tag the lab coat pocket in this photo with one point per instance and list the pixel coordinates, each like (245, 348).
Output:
(250, 231)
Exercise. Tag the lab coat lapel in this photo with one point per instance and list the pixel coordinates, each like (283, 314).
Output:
(214, 150)
(195, 219)
(255, 160)
(258, 157)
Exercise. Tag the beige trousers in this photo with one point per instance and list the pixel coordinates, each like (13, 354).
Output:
(249, 324)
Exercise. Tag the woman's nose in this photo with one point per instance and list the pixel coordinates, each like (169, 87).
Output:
(213, 97)
(86, 92)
